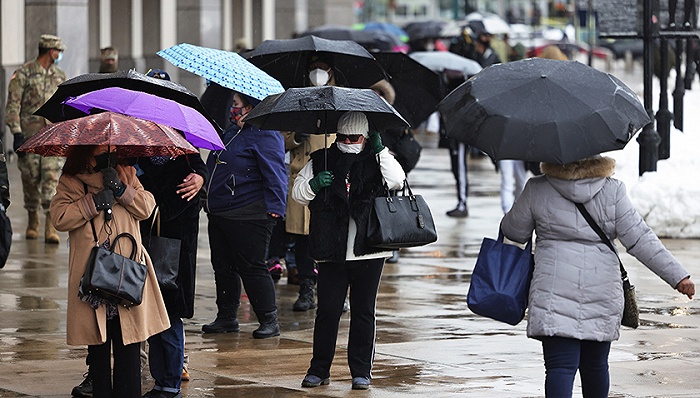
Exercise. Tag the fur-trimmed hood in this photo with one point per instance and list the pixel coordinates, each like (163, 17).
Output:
(579, 181)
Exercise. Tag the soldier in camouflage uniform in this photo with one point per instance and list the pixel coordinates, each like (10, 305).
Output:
(30, 87)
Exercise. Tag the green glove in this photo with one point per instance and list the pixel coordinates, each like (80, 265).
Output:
(322, 180)
(375, 141)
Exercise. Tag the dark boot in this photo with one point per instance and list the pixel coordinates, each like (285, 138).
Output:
(84, 389)
(268, 326)
(226, 321)
(307, 296)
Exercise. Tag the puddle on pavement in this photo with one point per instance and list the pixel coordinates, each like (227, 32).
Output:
(650, 356)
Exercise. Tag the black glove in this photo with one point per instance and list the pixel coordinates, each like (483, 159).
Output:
(17, 142)
(322, 180)
(104, 200)
(112, 181)
(301, 137)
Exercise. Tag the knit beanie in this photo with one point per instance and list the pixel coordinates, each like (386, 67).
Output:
(353, 123)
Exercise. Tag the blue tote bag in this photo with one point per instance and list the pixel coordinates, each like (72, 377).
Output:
(501, 281)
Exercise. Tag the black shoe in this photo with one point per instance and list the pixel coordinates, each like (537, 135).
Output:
(307, 296)
(84, 389)
(268, 326)
(458, 213)
(221, 326)
(315, 381)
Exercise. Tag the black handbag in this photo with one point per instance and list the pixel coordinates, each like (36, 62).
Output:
(397, 221)
(112, 276)
(164, 253)
(406, 149)
(630, 314)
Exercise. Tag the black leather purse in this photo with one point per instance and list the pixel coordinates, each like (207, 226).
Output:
(164, 253)
(397, 221)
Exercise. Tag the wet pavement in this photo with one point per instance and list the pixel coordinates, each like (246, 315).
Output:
(428, 342)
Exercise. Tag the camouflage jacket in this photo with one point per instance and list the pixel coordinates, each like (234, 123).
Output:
(30, 87)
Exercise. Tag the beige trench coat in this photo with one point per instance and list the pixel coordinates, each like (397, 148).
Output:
(297, 216)
(71, 210)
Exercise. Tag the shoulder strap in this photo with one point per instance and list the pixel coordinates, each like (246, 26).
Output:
(582, 209)
(92, 223)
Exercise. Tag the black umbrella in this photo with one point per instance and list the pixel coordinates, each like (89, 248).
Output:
(287, 61)
(317, 109)
(432, 29)
(418, 89)
(372, 40)
(543, 110)
(56, 111)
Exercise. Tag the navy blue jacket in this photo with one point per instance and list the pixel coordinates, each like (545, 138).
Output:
(250, 169)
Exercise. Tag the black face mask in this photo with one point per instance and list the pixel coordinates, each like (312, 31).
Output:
(104, 160)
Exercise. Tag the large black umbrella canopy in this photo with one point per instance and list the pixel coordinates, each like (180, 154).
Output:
(370, 40)
(418, 89)
(56, 111)
(287, 61)
(431, 29)
(316, 110)
(543, 110)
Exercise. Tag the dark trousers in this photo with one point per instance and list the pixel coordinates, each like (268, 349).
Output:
(238, 253)
(166, 352)
(126, 381)
(458, 162)
(334, 279)
(306, 266)
(563, 356)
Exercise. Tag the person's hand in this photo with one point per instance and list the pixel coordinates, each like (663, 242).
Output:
(112, 181)
(190, 186)
(274, 215)
(301, 137)
(322, 180)
(375, 141)
(18, 140)
(687, 287)
(104, 200)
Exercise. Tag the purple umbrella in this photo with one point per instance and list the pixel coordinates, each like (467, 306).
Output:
(198, 130)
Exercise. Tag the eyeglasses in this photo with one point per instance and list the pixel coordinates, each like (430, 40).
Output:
(351, 138)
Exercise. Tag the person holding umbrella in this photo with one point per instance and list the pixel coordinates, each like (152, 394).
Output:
(576, 302)
(245, 195)
(91, 193)
(339, 185)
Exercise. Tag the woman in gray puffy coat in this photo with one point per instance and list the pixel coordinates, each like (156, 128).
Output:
(576, 300)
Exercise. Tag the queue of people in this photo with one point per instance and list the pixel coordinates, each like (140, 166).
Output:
(324, 199)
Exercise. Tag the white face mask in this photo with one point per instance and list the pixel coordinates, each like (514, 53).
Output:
(319, 77)
(350, 148)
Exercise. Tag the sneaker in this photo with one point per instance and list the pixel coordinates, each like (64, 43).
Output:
(315, 381)
(84, 389)
(185, 373)
(458, 213)
(346, 306)
(151, 394)
(275, 268)
(394, 257)
(360, 383)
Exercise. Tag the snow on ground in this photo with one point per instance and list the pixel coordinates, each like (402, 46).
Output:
(669, 199)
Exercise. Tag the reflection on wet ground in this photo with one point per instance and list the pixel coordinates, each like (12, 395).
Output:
(428, 342)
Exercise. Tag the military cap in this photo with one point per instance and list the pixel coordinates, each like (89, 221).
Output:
(52, 42)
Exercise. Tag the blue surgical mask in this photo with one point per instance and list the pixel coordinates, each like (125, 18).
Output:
(59, 58)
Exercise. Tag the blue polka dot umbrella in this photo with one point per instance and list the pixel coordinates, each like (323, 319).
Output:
(224, 68)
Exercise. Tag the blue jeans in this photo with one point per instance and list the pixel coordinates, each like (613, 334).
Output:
(563, 356)
(166, 351)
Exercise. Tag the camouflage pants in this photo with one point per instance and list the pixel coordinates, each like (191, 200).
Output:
(39, 179)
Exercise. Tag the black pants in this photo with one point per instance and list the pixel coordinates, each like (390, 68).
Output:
(458, 162)
(238, 253)
(126, 382)
(334, 279)
(305, 264)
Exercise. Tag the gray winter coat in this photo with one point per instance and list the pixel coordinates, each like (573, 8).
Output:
(576, 289)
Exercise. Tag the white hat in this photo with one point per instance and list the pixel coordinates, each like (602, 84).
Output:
(353, 123)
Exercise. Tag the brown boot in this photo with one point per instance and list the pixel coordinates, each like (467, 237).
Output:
(50, 235)
(32, 225)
